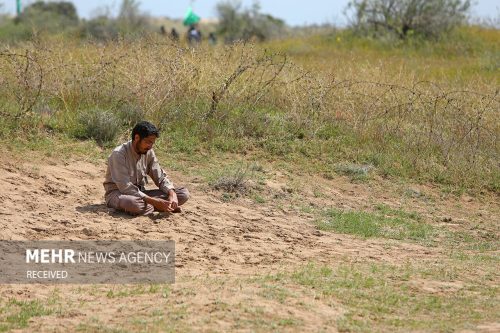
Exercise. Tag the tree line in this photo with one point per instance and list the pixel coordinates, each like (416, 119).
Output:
(402, 19)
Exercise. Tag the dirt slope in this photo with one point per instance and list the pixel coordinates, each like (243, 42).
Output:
(66, 202)
(215, 241)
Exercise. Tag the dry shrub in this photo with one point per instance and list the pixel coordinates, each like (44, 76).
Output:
(243, 92)
(233, 179)
(100, 125)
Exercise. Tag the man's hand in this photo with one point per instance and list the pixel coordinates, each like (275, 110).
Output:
(172, 198)
(160, 204)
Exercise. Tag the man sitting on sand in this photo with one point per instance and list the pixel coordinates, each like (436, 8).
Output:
(128, 167)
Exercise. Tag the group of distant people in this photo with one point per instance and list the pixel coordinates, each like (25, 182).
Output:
(193, 36)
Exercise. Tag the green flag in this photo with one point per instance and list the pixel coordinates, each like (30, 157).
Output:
(191, 18)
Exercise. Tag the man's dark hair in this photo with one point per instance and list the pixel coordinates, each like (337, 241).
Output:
(145, 129)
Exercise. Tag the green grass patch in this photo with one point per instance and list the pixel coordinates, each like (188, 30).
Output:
(15, 314)
(274, 292)
(467, 240)
(381, 298)
(119, 292)
(383, 223)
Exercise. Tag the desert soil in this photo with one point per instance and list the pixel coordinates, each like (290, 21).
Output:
(220, 245)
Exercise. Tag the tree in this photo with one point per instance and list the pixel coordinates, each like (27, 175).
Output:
(100, 28)
(62, 9)
(50, 16)
(129, 21)
(428, 18)
(130, 18)
(2, 14)
(238, 23)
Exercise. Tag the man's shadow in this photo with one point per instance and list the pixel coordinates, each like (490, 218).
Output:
(116, 214)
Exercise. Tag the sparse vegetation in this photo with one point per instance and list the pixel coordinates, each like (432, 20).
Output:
(15, 314)
(240, 98)
(381, 298)
(355, 171)
(236, 179)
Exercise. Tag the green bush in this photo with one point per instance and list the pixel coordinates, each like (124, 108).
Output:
(52, 17)
(99, 28)
(131, 114)
(11, 32)
(101, 125)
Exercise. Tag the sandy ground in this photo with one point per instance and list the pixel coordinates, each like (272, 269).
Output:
(215, 240)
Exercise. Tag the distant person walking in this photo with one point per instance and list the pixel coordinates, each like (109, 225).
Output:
(174, 35)
(128, 167)
(194, 35)
(191, 20)
(212, 39)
